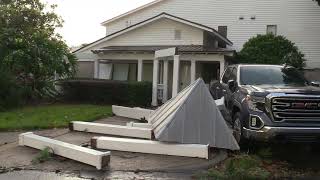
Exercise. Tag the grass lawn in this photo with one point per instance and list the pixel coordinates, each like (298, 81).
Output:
(50, 116)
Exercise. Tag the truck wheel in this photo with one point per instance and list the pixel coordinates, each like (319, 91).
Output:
(237, 127)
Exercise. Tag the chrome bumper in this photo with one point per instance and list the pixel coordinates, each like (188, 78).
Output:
(267, 133)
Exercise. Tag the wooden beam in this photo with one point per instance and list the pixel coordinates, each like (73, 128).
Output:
(108, 129)
(150, 147)
(77, 153)
(132, 113)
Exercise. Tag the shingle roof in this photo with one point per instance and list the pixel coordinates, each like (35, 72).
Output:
(181, 49)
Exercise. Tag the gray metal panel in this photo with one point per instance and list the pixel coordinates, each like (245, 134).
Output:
(195, 120)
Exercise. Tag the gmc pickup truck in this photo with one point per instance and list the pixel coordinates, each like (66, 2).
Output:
(270, 103)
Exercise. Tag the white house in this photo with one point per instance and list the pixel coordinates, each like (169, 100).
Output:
(173, 42)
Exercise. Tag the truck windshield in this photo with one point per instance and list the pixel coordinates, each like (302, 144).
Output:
(270, 75)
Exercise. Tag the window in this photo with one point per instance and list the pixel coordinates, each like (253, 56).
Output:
(177, 34)
(272, 29)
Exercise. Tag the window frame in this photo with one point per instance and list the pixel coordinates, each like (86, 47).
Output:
(177, 34)
(272, 26)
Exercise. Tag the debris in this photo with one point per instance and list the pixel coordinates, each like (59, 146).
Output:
(78, 153)
(132, 113)
(150, 147)
(192, 117)
(116, 130)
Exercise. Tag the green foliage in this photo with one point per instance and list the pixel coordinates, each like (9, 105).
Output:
(51, 116)
(30, 48)
(241, 167)
(108, 92)
(318, 2)
(43, 156)
(246, 167)
(10, 92)
(270, 49)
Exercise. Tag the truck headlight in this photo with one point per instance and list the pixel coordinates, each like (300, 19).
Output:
(255, 103)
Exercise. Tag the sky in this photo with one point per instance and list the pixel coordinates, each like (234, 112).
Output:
(83, 18)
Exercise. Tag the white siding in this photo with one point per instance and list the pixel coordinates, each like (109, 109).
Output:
(298, 20)
(160, 32)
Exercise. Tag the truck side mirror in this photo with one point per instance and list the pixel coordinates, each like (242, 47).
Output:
(315, 84)
(232, 84)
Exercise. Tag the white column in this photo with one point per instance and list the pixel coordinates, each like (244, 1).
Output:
(165, 80)
(222, 67)
(96, 69)
(176, 72)
(193, 71)
(140, 70)
(155, 82)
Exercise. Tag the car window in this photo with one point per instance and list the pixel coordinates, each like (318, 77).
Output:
(271, 75)
(227, 75)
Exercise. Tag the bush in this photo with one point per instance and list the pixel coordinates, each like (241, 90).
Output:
(11, 94)
(270, 49)
(107, 92)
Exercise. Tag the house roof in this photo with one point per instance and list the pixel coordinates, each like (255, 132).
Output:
(152, 19)
(132, 11)
(151, 49)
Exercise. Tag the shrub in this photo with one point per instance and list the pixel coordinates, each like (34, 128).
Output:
(270, 49)
(107, 92)
(11, 94)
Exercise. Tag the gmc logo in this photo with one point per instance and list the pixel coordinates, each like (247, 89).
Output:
(305, 105)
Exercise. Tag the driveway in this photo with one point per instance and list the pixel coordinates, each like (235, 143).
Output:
(123, 165)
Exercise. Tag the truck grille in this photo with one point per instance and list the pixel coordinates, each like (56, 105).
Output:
(296, 109)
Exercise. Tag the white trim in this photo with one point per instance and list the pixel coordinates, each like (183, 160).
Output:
(85, 60)
(151, 147)
(78, 153)
(139, 125)
(193, 70)
(163, 15)
(96, 69)
(115, 130)
(155, 82)
(165, 80)
(165, 52)
(176, 74)
(140, 70)
(130, 12)
(132, 113)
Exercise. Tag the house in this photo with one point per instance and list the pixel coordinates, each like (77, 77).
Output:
(173, 42)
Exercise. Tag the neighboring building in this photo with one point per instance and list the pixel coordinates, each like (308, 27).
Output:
(205, 34)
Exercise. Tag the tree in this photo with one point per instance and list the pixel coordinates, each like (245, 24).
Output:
(29, 46)
(318, 2)
(270, 49)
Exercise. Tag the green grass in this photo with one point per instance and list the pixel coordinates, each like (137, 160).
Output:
(50, 116)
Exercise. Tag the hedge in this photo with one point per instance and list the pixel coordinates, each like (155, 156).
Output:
(107, 92)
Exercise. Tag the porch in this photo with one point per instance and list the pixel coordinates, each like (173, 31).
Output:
(170, 70)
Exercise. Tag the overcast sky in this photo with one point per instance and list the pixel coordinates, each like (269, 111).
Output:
(83, 17)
